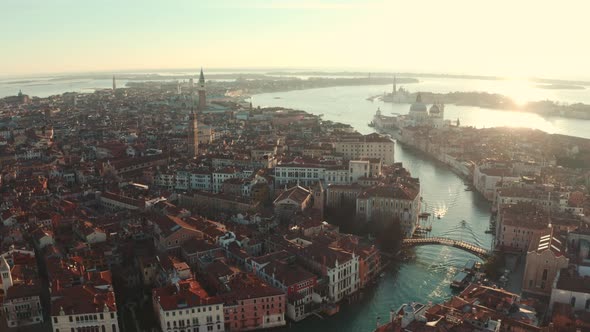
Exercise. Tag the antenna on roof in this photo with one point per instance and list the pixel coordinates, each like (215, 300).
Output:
(549, 205)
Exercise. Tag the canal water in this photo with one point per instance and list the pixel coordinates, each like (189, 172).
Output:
(426, 277)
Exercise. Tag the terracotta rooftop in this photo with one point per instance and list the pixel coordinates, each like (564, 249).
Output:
(297, 194)
(547, 241)
(247, 286)
(185, 294)
(77, 300)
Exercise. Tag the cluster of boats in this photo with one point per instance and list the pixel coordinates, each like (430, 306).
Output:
(464, 277)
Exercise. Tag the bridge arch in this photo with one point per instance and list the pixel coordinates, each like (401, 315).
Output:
(463, 245)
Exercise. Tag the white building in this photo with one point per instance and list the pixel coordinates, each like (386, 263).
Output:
(193, 180)
(571, 287)
(545, 198)
(365, 168)
(219, 176)
(338, 267)
(487, 176)
(368, 146)
(338, 175)
(43, 238)
(22, 303)
(358, 169)
(186, 306)
(400, 201)
(117, 202)
(420, 116)
(306, 174)
(28, 154)
(343, 277)
(200, 180)
(165, 180)
(418, 112)
(84, 308)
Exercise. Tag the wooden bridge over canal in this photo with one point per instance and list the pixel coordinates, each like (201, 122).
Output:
(466, 246)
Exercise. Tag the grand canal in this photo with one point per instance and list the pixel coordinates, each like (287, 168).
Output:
(427, 277)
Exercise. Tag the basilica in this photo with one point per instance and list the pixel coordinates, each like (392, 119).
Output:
(419, 115)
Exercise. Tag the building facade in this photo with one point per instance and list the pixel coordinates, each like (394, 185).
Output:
(186, 306)
(84, 308)
(193, 136)
(368, 146)
(544, 259)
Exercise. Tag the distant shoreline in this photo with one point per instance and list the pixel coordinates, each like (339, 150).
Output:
(501, 102)
(164, 74)
(247, 84)
(560, 87)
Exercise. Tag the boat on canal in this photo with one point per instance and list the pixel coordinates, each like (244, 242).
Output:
(461, 280)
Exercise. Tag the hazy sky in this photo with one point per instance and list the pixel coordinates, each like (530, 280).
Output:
(513, 37)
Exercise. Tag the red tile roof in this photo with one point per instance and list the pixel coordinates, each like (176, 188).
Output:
(77, 300)
(186, 294)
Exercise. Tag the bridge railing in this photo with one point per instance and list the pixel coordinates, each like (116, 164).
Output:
(450, 242)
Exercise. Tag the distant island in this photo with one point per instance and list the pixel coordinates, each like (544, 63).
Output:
(245, 85)
(560, 87)
(501, 102)
(543, 82)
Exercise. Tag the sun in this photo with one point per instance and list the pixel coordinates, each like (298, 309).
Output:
(519, 90)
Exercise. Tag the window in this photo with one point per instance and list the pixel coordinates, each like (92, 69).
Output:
(544, 274)
(587, 304)
(573, 301)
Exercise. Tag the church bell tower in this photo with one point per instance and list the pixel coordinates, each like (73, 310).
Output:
(202, 92)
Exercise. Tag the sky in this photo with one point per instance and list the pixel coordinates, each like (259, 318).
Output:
(515, 38)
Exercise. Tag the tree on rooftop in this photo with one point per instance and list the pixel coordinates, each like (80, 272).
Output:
(387, 231)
